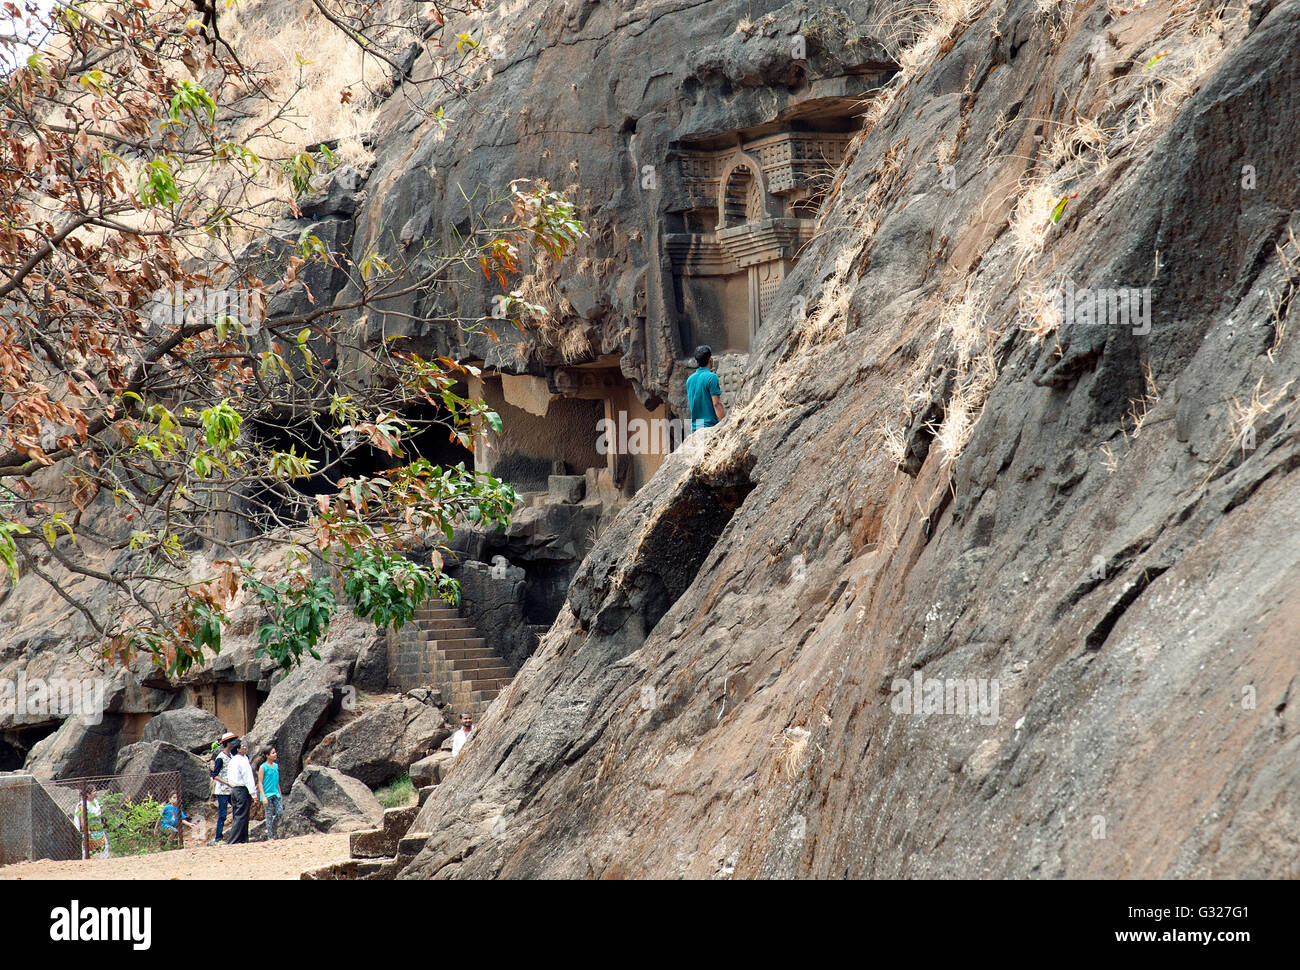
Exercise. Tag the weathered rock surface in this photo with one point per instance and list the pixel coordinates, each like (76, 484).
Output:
(431, 770)
(667, 71)
(935, 477)
(1115, 559)
(380, 745)
(77, 749)
(153, 757)
(189, 728)
(326, 800)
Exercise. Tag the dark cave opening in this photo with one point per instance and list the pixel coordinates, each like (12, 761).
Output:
(692, 528)
(16, 744)
(432, 441)
(545, 588)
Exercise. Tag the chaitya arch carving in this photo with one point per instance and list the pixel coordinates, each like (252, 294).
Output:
(742, 194)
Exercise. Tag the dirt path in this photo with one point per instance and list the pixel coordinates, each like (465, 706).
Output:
(284, 859)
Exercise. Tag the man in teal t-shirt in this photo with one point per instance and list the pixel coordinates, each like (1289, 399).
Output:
(704, 393)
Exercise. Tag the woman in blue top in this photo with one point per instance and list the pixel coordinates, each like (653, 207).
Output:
(268, 785)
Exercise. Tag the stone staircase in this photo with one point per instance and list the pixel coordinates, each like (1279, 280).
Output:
(444, 650)
(381, 854)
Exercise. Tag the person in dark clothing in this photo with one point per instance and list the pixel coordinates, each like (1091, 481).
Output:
(220, 767)
(243, 787)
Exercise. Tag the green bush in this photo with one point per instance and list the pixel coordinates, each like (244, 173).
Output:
(132, 827)
(396, 793)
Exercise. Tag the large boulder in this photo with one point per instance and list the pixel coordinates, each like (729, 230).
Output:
(190, 728)
(295, 710)
(153, 757)
(326, 800)
(371, 671)
(431, 770)
(76, 749)
(381, 744)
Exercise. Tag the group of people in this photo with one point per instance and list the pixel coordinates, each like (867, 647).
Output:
(235, 784)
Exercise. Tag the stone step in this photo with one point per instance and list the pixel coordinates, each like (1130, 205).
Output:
(436, 613)
(440, 636)
(475, 700)
(481, 674)
(449, 623)
(385, 870)
(412, 844)
(457, 681)
(424, 794)
(496, 684)
(465, 653)
(347, 869)
(492, 665)
(459, 643)
(367, 844)
(459, 670)
(382, 842)
(398, 820)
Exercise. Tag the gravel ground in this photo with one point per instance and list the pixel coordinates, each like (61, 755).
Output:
(283, 859)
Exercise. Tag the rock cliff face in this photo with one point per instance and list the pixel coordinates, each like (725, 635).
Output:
(957, 465)
(601, 100)
(991, 568)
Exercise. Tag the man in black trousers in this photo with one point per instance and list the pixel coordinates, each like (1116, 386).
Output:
(242, 787)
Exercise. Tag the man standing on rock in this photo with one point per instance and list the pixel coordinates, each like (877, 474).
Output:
(242, 787)
(703, 392)
(460, 737)
(220, 769)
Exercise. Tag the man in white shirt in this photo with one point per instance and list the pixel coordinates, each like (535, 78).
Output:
(242, 787)
(460, 737)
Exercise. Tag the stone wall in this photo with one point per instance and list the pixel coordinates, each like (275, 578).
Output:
(526, 453)
(32, 826)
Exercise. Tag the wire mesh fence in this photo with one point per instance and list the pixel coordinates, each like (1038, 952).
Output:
(118, 815)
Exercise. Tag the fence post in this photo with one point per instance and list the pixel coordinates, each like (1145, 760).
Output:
(85, 825)
(180, 814)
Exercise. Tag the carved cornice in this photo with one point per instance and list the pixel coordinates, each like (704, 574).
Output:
(785, 162)
(729, 251)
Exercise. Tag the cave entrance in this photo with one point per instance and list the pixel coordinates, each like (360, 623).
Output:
(233, 703)
(544, 432)
(546, 585)
(16, 744)
(316, 439)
